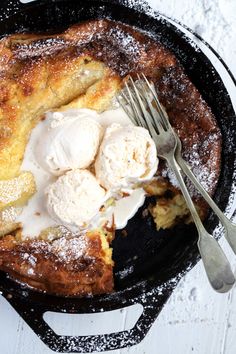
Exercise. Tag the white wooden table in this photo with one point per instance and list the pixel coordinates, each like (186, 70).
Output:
(195, 319)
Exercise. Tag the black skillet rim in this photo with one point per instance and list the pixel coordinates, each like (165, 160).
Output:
(179, 33)
(103, 301)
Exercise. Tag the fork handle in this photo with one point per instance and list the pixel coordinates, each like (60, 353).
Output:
(230, 227)
(216, 264)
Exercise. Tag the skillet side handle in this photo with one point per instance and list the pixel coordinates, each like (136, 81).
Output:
(33, 316)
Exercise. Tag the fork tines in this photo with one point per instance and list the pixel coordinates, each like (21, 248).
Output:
(140, 101)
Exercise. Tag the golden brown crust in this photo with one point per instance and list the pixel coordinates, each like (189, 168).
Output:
(43, 69)
(44, 72)
(59, 267)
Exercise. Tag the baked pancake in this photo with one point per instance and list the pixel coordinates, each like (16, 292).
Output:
(84, 67)
(66, 266)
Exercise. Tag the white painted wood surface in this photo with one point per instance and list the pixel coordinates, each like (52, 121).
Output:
(195, 319)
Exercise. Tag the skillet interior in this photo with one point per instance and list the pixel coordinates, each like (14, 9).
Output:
(149, 252)
(146, 258)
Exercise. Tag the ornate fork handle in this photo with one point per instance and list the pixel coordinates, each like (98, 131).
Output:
(230, 227)
(142, 112)
(216, 264)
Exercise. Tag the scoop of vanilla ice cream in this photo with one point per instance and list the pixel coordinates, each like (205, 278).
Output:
(127, 155)
(75, 198)
(71, 140)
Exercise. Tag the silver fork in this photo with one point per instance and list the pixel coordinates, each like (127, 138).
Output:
(141, 111)
(229, 226)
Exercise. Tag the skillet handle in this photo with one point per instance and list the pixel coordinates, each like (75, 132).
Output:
(33, 315)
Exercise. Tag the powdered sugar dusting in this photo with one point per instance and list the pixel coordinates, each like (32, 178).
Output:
(120, 41)
(65, 249)
(12, 189)
(101, 343)
(69, 250)
(45, 47)
(204, 171)
(125, 40)
(127, 271)
(12, 6)
(30, 258)
(10, 214)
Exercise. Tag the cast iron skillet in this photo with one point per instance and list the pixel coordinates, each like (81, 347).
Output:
(149, 264)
